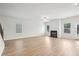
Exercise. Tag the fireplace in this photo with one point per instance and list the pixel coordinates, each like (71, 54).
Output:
(53, 34)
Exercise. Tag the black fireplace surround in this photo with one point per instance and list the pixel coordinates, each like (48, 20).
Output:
(53, 33)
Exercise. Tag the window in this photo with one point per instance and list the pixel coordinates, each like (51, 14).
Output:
(18, 28)
(67, 27)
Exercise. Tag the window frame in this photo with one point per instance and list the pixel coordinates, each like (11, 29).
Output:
(67, 28)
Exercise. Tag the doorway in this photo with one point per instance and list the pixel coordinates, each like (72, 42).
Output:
(1, 31)
(47, 30)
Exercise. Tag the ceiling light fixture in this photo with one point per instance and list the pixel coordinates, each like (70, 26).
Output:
(45, 18)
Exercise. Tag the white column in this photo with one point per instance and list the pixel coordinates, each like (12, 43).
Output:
(59, 28)
(1, 45)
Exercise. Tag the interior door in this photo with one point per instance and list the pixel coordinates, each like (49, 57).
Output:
(1, 31)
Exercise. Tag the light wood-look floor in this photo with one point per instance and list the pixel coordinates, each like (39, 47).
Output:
(41, 46)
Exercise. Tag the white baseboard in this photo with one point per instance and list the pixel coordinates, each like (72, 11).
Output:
(12, 38)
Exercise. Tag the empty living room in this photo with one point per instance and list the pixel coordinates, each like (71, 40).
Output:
(39, 29)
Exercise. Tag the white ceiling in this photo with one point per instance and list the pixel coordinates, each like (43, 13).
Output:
(38, 10)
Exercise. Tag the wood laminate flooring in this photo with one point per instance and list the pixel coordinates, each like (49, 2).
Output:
(41, 46)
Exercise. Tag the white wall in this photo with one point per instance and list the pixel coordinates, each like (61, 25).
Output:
(1, 40)
(74, 21)
(30, 27)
